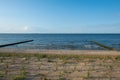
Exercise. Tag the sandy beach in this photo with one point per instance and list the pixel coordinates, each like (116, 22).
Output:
(18, 64)
(73, 52)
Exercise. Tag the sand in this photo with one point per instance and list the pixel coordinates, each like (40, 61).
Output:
(74, 52)
(55, 68)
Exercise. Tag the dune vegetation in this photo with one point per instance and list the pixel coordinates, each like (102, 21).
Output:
(16, 66)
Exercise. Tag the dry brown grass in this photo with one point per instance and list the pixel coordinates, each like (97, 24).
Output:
(43, 66)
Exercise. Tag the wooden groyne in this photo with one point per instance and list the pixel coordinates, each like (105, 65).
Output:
(102, 45)
(5, 45)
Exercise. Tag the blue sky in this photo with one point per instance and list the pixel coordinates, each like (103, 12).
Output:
(59, 16)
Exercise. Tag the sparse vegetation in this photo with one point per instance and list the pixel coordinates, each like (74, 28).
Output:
(19, 77)
(58, 66)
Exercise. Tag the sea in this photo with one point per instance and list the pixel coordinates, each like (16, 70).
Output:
(61, 41)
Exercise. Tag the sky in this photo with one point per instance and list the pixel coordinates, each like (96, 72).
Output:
(59, 16)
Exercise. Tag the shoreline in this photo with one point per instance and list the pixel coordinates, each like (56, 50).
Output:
(73, 52)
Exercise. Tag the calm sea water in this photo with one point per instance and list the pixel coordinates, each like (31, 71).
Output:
(61, 41)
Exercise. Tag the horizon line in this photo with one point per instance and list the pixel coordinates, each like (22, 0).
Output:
(59, 33)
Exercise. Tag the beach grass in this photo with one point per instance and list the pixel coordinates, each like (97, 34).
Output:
(43, 66)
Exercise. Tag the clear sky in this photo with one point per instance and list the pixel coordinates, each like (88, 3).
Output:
(59, 16)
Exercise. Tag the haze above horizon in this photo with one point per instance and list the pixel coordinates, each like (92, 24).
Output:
(59, 16)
